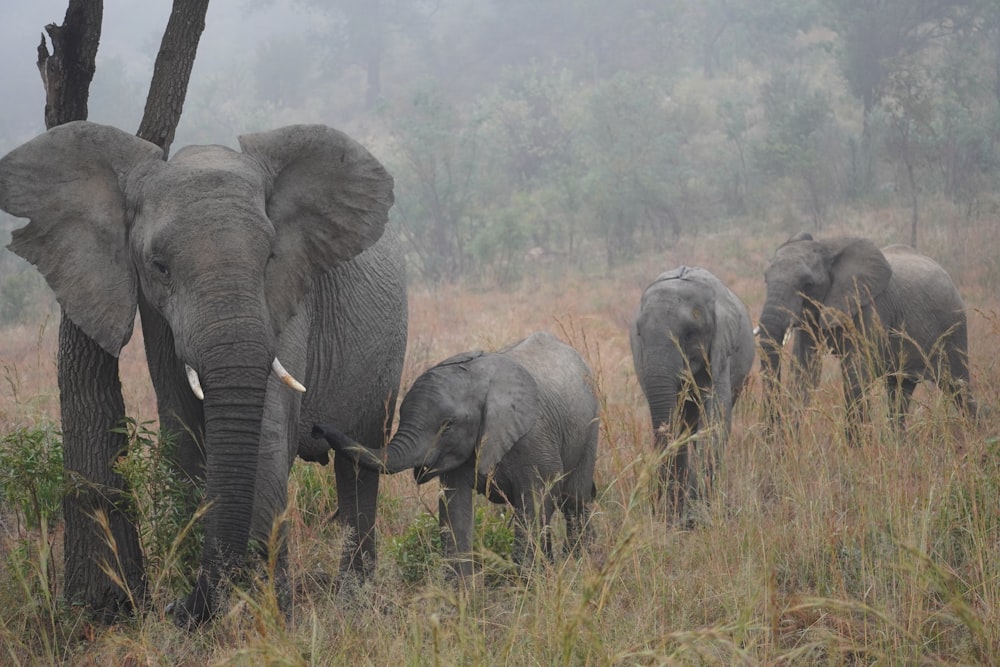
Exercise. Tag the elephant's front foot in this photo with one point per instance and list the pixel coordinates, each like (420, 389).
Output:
(197, 608)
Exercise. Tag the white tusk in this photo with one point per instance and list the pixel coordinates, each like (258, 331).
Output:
(788, 336)
(756, 331)
(195, 383)
(286, 377)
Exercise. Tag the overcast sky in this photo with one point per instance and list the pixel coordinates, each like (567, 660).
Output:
(131, 32)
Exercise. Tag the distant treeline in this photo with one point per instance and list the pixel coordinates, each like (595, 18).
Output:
(587, 130)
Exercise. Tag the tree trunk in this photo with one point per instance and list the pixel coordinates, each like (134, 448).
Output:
(172, 72)
(91, 403)
(69, 69)
(90, 399)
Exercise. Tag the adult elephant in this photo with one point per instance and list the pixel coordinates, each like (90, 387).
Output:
(236, 260)
(519, 425)
(891, 313)
(693, 347)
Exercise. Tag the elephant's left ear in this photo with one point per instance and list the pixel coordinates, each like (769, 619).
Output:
(328, 199)
(509, 411)
(859, 273)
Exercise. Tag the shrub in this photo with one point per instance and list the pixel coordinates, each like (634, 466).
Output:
(31, 473)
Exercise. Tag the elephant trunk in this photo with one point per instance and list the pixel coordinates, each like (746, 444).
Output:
(401, 453)
(775, 320)
(234, 376)
(662, 387)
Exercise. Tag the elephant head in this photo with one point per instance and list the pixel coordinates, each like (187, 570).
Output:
(223, 245)
(672, 341)
(471, 407)
(817, 284)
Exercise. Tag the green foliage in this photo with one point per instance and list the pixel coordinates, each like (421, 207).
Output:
(31, 473)
(437, 165)
(634, 159)
(417, 552)
(499, 248)
(798, 117)
(163, 501)
(494, 531)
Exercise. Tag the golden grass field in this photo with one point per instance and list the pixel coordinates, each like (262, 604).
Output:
(814, 552)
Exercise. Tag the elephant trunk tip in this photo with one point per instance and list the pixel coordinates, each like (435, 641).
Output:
(336, 439)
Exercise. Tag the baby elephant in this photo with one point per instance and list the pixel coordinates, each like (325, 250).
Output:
(519, 425)
(693, 346)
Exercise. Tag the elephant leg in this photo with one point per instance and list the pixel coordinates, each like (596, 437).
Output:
(900, 389)
(678, 482)
(533, 511)
(357, 496)
(576, 512)
(855, 378)
(956, 382)
(682, 482)
(455, 517)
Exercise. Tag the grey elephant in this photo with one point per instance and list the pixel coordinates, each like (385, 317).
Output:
(252, 270)
(519, 425)
(693, 347)
(891, 313)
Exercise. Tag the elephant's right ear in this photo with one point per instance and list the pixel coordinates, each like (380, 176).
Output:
(328, 199)
(509, 410)
(69, 182)
(859, 272)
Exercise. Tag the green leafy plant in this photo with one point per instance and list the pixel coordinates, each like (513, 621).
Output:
(418, 549)
(163, 499)
(31, 473)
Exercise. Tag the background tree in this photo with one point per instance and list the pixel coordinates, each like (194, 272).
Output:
(793, 146)
(436, 165)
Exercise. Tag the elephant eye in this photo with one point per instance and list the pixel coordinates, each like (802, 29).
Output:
(161, 269)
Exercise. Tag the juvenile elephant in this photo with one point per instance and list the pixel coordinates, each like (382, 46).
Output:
(692, 346)
(891, 313)
(234, 260)
(519, 425)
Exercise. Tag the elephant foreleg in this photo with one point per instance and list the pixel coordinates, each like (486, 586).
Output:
(856, 377)
(456, 518)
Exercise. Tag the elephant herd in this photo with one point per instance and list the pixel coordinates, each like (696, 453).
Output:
(272, 297)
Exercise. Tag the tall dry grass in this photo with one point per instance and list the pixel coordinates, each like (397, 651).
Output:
(813, 552)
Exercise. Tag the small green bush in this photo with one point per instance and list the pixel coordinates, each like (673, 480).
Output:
(418, 551)
(494, 531)
(31, 473)
(163, 501)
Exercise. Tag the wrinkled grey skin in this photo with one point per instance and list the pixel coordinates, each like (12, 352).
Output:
(233, 258)
(519, 425)
(908, 315)
(693, 347)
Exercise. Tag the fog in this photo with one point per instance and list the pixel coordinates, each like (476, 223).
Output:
(587, 131)
(130, 37)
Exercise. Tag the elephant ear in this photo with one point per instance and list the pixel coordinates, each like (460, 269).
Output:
(859, 272)
(70, 184)
(328, 200)
(509, 410)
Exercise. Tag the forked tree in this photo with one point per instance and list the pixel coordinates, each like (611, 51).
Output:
(91, 402)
